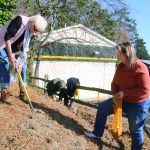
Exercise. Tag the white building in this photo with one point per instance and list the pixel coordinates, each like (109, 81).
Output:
(79, 52)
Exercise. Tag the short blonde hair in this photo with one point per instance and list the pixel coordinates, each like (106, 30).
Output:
(39, 22)
(128, 50)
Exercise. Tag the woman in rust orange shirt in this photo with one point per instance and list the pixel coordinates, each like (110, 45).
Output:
(131, 83)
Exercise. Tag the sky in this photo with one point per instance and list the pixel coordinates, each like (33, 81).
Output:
(140, 11)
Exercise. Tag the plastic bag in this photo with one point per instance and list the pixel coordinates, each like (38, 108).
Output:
(117, 120)
(13, 77)
(19, 62)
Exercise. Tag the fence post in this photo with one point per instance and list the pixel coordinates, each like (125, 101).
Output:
(98, 97)
(46, 78)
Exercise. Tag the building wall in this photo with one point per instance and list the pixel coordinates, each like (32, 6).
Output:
(91, 74)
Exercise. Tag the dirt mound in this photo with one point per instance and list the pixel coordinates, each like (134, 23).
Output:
(52, 126)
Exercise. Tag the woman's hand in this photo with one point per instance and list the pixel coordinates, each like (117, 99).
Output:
(118, 96)
(9, 53)
(12, 60)
(19, 68)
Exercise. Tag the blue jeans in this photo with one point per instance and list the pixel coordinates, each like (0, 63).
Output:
(23, 75)
(4, 71)
(136, 114)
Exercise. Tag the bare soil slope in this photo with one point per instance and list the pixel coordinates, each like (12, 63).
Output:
(52, 126)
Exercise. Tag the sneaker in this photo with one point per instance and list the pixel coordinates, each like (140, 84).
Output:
(90, 134)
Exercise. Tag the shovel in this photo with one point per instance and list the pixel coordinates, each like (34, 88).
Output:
(24, 88)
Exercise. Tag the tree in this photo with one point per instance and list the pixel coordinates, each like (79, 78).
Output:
(64, 13)
(120, 13)
(115, 25)
(6, 10)
(124, 22)
(140, 47)
(123, 36)
(88, 13)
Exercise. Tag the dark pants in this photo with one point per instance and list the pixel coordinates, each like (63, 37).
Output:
(63, 94)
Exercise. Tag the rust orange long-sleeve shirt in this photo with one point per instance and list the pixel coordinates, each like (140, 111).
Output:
(135, 83)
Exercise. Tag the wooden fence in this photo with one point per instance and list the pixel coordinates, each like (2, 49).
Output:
(80, 101)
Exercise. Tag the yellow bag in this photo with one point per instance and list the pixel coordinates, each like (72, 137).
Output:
(117, 120)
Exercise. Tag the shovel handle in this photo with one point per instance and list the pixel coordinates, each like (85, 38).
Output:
(24, 88)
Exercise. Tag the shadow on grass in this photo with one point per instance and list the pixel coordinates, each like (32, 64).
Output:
(67, 122)
(73, 125)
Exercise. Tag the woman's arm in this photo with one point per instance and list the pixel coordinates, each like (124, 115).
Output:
(12, 29)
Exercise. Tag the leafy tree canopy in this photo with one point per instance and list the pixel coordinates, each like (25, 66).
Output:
(6, 10)
(140, 47)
